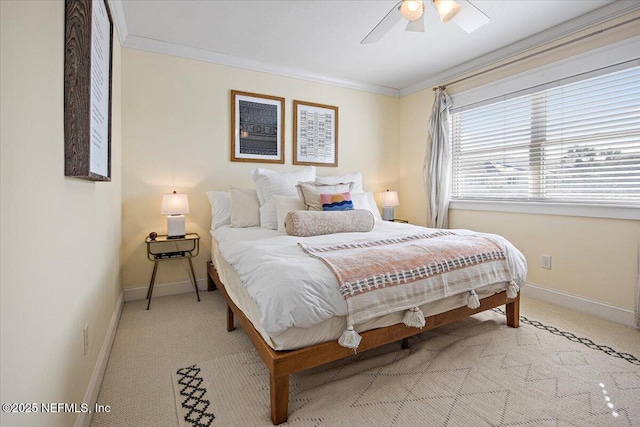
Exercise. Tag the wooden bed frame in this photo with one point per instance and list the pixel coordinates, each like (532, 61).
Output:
(283, 363)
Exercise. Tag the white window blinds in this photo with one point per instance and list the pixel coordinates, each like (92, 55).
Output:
(575, 140)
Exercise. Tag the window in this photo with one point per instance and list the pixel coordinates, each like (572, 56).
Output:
(576, 140)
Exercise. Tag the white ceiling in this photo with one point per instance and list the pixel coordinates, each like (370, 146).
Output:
(320, 40)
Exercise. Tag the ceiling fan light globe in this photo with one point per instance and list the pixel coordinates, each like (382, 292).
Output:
(447, 9)
(411, 9)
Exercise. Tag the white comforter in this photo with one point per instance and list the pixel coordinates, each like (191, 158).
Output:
(293, 289)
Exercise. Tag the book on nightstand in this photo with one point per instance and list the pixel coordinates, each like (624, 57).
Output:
(168, 255)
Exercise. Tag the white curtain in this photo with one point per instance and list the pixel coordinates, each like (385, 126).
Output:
(437, 163)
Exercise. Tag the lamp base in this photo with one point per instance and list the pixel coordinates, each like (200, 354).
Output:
(387, 213)
(175, 226)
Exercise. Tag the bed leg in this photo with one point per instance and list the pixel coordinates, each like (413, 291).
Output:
(405, 343)
(211, 284)
(230, 323)
(513, 312)
(279, 390)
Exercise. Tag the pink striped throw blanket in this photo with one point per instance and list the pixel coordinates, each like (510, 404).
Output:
(379, 277)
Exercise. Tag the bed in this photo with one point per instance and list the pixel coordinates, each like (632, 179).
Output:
(288, 304)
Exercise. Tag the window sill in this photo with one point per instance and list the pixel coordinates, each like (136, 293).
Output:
(545, 208)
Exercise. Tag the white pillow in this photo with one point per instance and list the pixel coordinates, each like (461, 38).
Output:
(270, 184)
(355, 177)
(366, 201)
(220, 208)
(310, 192)
(255, 173)
(245, 207)
(284, 205)
(373, 206)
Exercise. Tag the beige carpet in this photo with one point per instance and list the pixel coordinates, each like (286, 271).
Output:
(178, 331)
(477, 372)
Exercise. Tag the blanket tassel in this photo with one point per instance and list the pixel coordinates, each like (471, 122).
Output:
(350, 339)
(414, 318)
(472, 300)
(512, 290)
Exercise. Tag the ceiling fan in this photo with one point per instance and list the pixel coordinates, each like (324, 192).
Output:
(467, 16)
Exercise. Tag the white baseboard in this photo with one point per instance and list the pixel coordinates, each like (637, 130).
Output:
(164, 289)
(582, 304)
(84, 419)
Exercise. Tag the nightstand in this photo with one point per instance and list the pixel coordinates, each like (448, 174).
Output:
(164, 248)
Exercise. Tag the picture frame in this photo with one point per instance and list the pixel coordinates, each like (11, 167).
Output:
(315, 134)
(257, 128)
(88, 65)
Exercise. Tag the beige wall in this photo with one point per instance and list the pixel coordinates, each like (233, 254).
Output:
(592, 258)
(61, 237)
(176, 124)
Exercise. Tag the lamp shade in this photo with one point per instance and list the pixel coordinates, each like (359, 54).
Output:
(447, 9)
(389, 199)
(175, 204)
(411, 9)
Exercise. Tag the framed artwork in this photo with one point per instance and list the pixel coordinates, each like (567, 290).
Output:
(257, 128)
(87, 89)
(315, 134)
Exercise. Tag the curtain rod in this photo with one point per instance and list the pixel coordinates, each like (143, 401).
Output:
(531, 55)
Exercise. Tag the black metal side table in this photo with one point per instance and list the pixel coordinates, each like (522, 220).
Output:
(158, 250)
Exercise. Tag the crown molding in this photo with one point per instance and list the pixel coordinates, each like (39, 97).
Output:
(117, 13)
(159, 46)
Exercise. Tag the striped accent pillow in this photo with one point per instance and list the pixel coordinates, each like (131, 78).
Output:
(336, 202)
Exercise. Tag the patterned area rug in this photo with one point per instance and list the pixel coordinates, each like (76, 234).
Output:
(475, 372)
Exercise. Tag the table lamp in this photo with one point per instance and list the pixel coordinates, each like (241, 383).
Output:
(175, 206)
(388, 200)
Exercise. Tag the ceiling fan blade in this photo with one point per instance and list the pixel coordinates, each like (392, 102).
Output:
(416, 26)
(384, 25)
(470, 18)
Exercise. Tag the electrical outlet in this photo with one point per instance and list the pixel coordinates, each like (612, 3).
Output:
(85, 334)
(546, 262)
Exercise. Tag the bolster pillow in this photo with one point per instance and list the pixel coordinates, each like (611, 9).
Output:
(315, 223)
